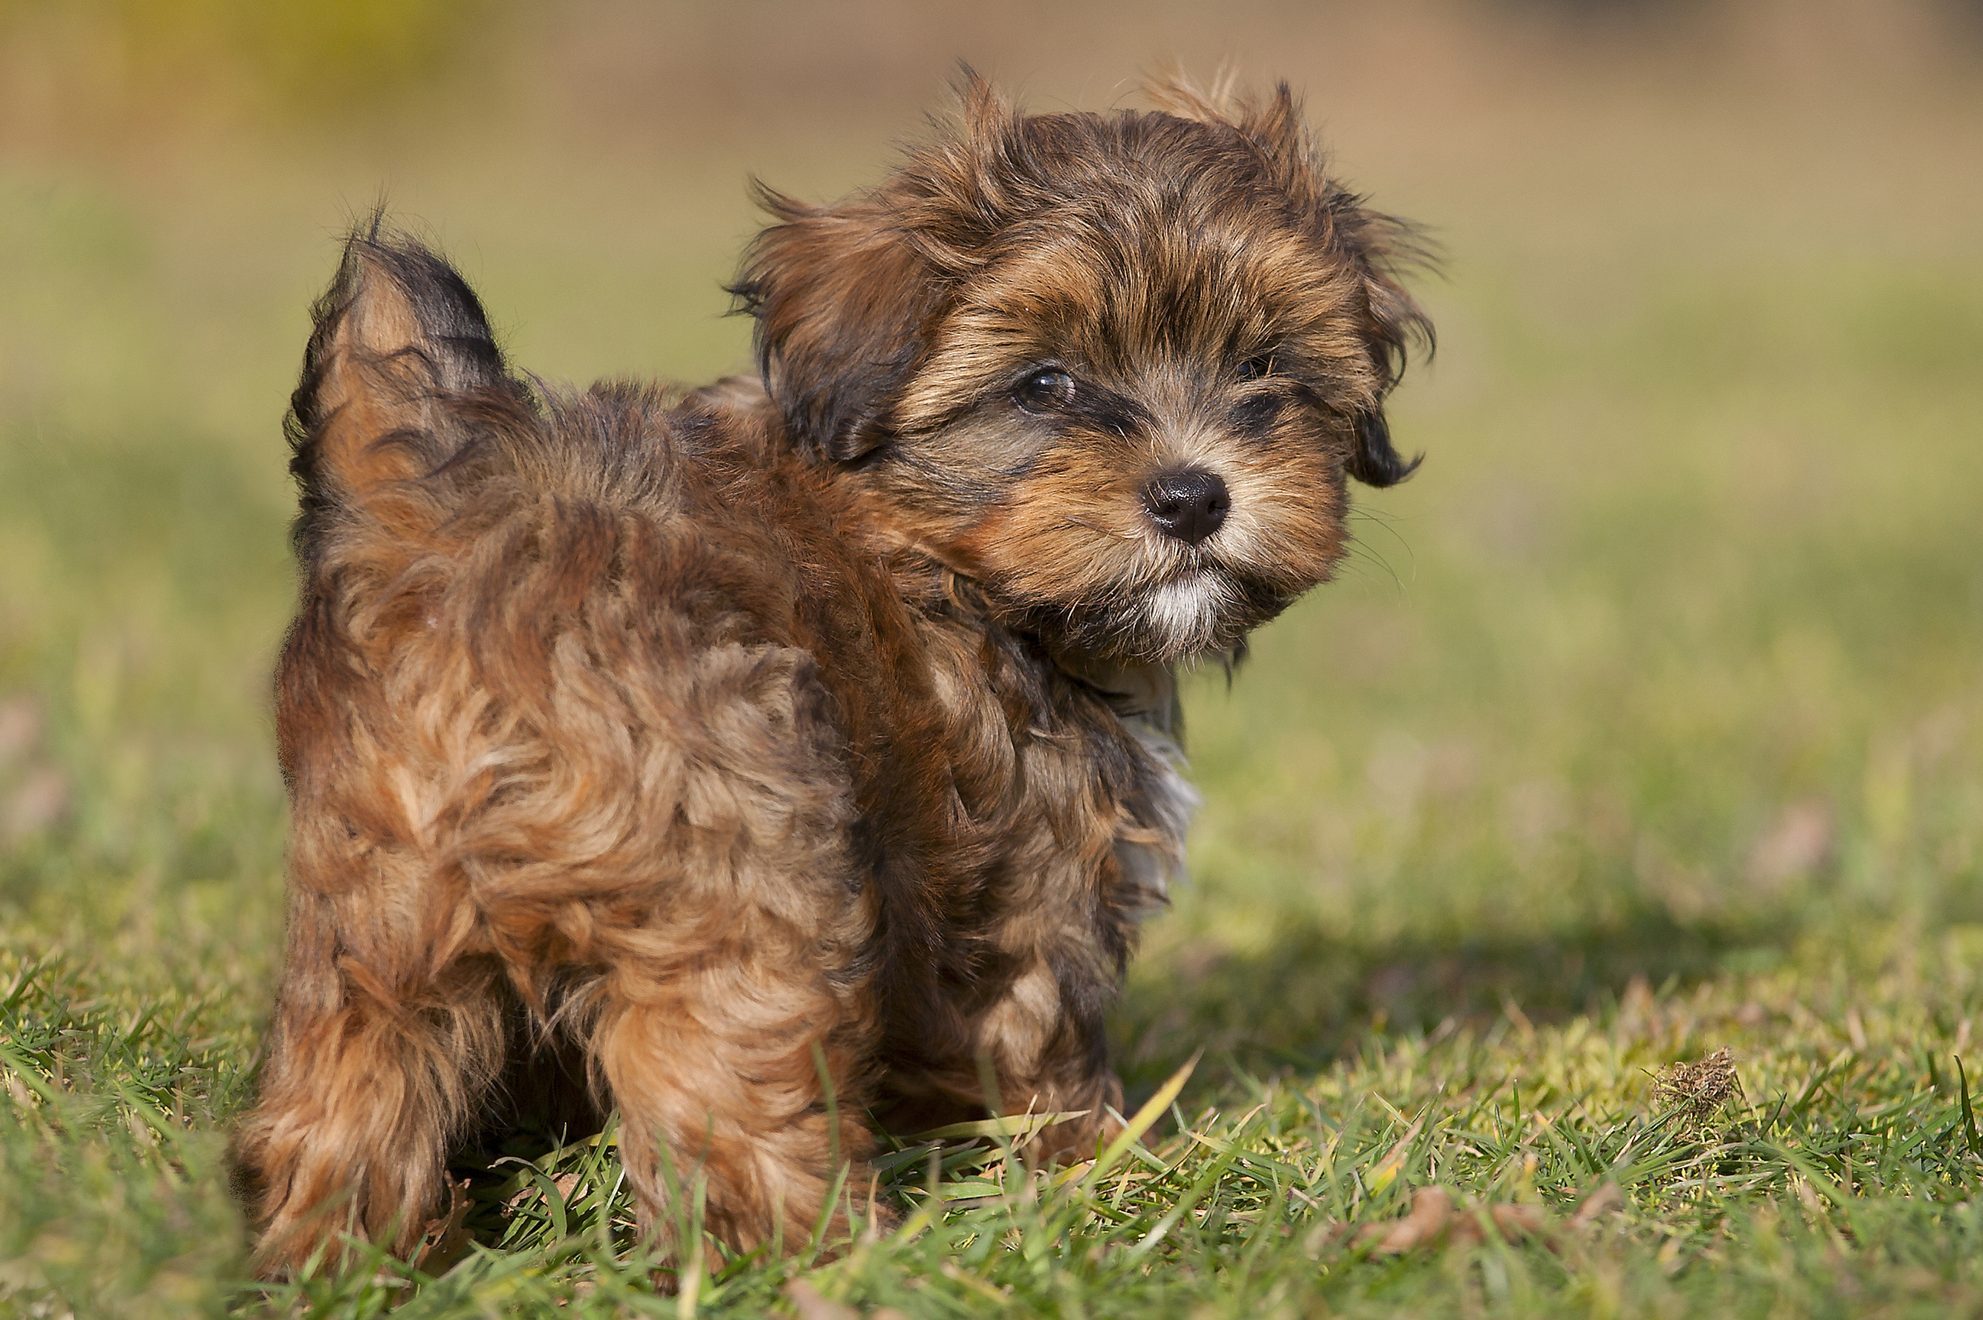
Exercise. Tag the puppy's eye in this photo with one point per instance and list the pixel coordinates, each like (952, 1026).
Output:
(1046, 390)
(1257, 367)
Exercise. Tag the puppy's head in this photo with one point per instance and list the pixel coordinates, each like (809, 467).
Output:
(1115, 368)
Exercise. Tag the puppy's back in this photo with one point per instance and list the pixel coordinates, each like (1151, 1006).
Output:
(535, 627)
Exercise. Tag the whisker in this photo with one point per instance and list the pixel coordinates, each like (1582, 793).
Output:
(1359, 553)
(1071, 521)
(1385, 521)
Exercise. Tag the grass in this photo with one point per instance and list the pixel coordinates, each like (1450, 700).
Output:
(1647, 723)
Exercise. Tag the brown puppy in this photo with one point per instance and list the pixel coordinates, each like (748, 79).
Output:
(795, 751)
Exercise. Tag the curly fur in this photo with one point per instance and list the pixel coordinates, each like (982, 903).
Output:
(800, 748)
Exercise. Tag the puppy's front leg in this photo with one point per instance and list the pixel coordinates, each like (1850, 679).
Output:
(1045, 1035)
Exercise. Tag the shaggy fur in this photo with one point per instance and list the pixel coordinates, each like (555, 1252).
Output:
(783, 753)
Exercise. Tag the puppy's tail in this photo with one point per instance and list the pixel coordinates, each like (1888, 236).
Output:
(400, 353)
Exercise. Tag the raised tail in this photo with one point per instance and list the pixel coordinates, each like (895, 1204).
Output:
(400, 350)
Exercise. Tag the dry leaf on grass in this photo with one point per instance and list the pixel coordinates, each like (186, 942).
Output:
(447, 1239)
(1798, 842)
(1436, 1220)
(566, 1183)
(808, 1304)
(1596, 1206)
(35, 794)
(37, 804)
(21, 725)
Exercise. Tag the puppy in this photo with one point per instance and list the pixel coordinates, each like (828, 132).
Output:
(799, 750)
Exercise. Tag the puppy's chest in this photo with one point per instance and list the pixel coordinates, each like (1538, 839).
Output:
(1064, 784)
(1149, 848)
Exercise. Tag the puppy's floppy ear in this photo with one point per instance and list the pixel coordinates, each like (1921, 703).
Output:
(841, 301)
(399, 339)
(1380, 245)
(1377, 246)
(845, 295)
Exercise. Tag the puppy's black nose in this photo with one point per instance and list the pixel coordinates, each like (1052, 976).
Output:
(1188, 504)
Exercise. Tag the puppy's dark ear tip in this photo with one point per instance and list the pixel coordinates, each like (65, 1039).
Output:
(1375, 462)
(1388, 473)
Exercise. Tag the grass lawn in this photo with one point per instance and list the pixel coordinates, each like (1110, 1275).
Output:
(1646, 723)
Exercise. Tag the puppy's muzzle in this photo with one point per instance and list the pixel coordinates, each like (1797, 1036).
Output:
(1189, 504)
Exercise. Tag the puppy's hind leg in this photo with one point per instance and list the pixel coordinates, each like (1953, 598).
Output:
(369, 1077)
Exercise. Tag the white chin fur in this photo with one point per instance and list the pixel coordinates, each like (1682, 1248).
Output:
(1184, 614)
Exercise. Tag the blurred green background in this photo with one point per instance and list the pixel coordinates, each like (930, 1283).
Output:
(1666, 670)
